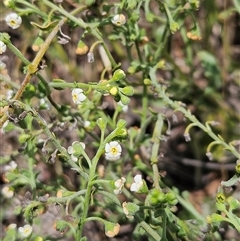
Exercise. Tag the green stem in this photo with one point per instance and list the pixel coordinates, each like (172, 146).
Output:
(189, 207)
(147, 228)
(49, 134)
(32, 177)
(35, 9)
(68, 15)
(85, 26)
(164, 227)
(65, 199)
(155, 149)
(144, 105)
(176, 105)
(144, 126)
(91, 178)
(56, 84)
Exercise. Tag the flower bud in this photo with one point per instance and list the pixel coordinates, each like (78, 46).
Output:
(82, 48)
(119, 20)
(113, 91)
(128, 90)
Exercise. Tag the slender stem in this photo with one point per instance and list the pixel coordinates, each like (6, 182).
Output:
(81, 23)
(144, 105)
(34, 8)
(68, 15)
(190, 208)
(64, 199)
(91, 182)
(33, 67)
(49, 134)
(147, 228)
(164, 227)
(177, 106)
(156, 143)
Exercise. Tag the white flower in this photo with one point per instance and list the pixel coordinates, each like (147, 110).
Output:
(138, 184)
(119, 19)
(72, 151)
(9, 94)
(3, 66)
(87, 124)
(77, 96)
(13, 20)
(26, 230)
(113, 151)
(7, 192)
(119, 185)
(126, 211)
(11, 166)
(3, 47)
(124, 107)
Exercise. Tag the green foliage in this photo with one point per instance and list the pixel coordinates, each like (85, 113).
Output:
(100, 69)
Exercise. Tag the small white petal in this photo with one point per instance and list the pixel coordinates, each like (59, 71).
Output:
(87, 124)
(74, 158)
(3, 47)
(138, 178)
(70, 150)
(107, 147)
(133, 187)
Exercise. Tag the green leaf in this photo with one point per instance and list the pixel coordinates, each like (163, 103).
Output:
(90, 2)
(128, 90)
(121, 123)
(47, 27)
(83, 239)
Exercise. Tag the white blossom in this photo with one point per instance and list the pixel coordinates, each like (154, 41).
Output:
(77, 96)
(113, 151)
(11, 166)
(87, 124)
(7, 192)
(138, 183)
(124, 107)
(26, 230)
(119, 184)
(71, 151)
(119, 19)
(13, 20)
(3, 47)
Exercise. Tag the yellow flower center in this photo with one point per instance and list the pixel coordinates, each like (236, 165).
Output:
(114, 150)
(13, 22)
